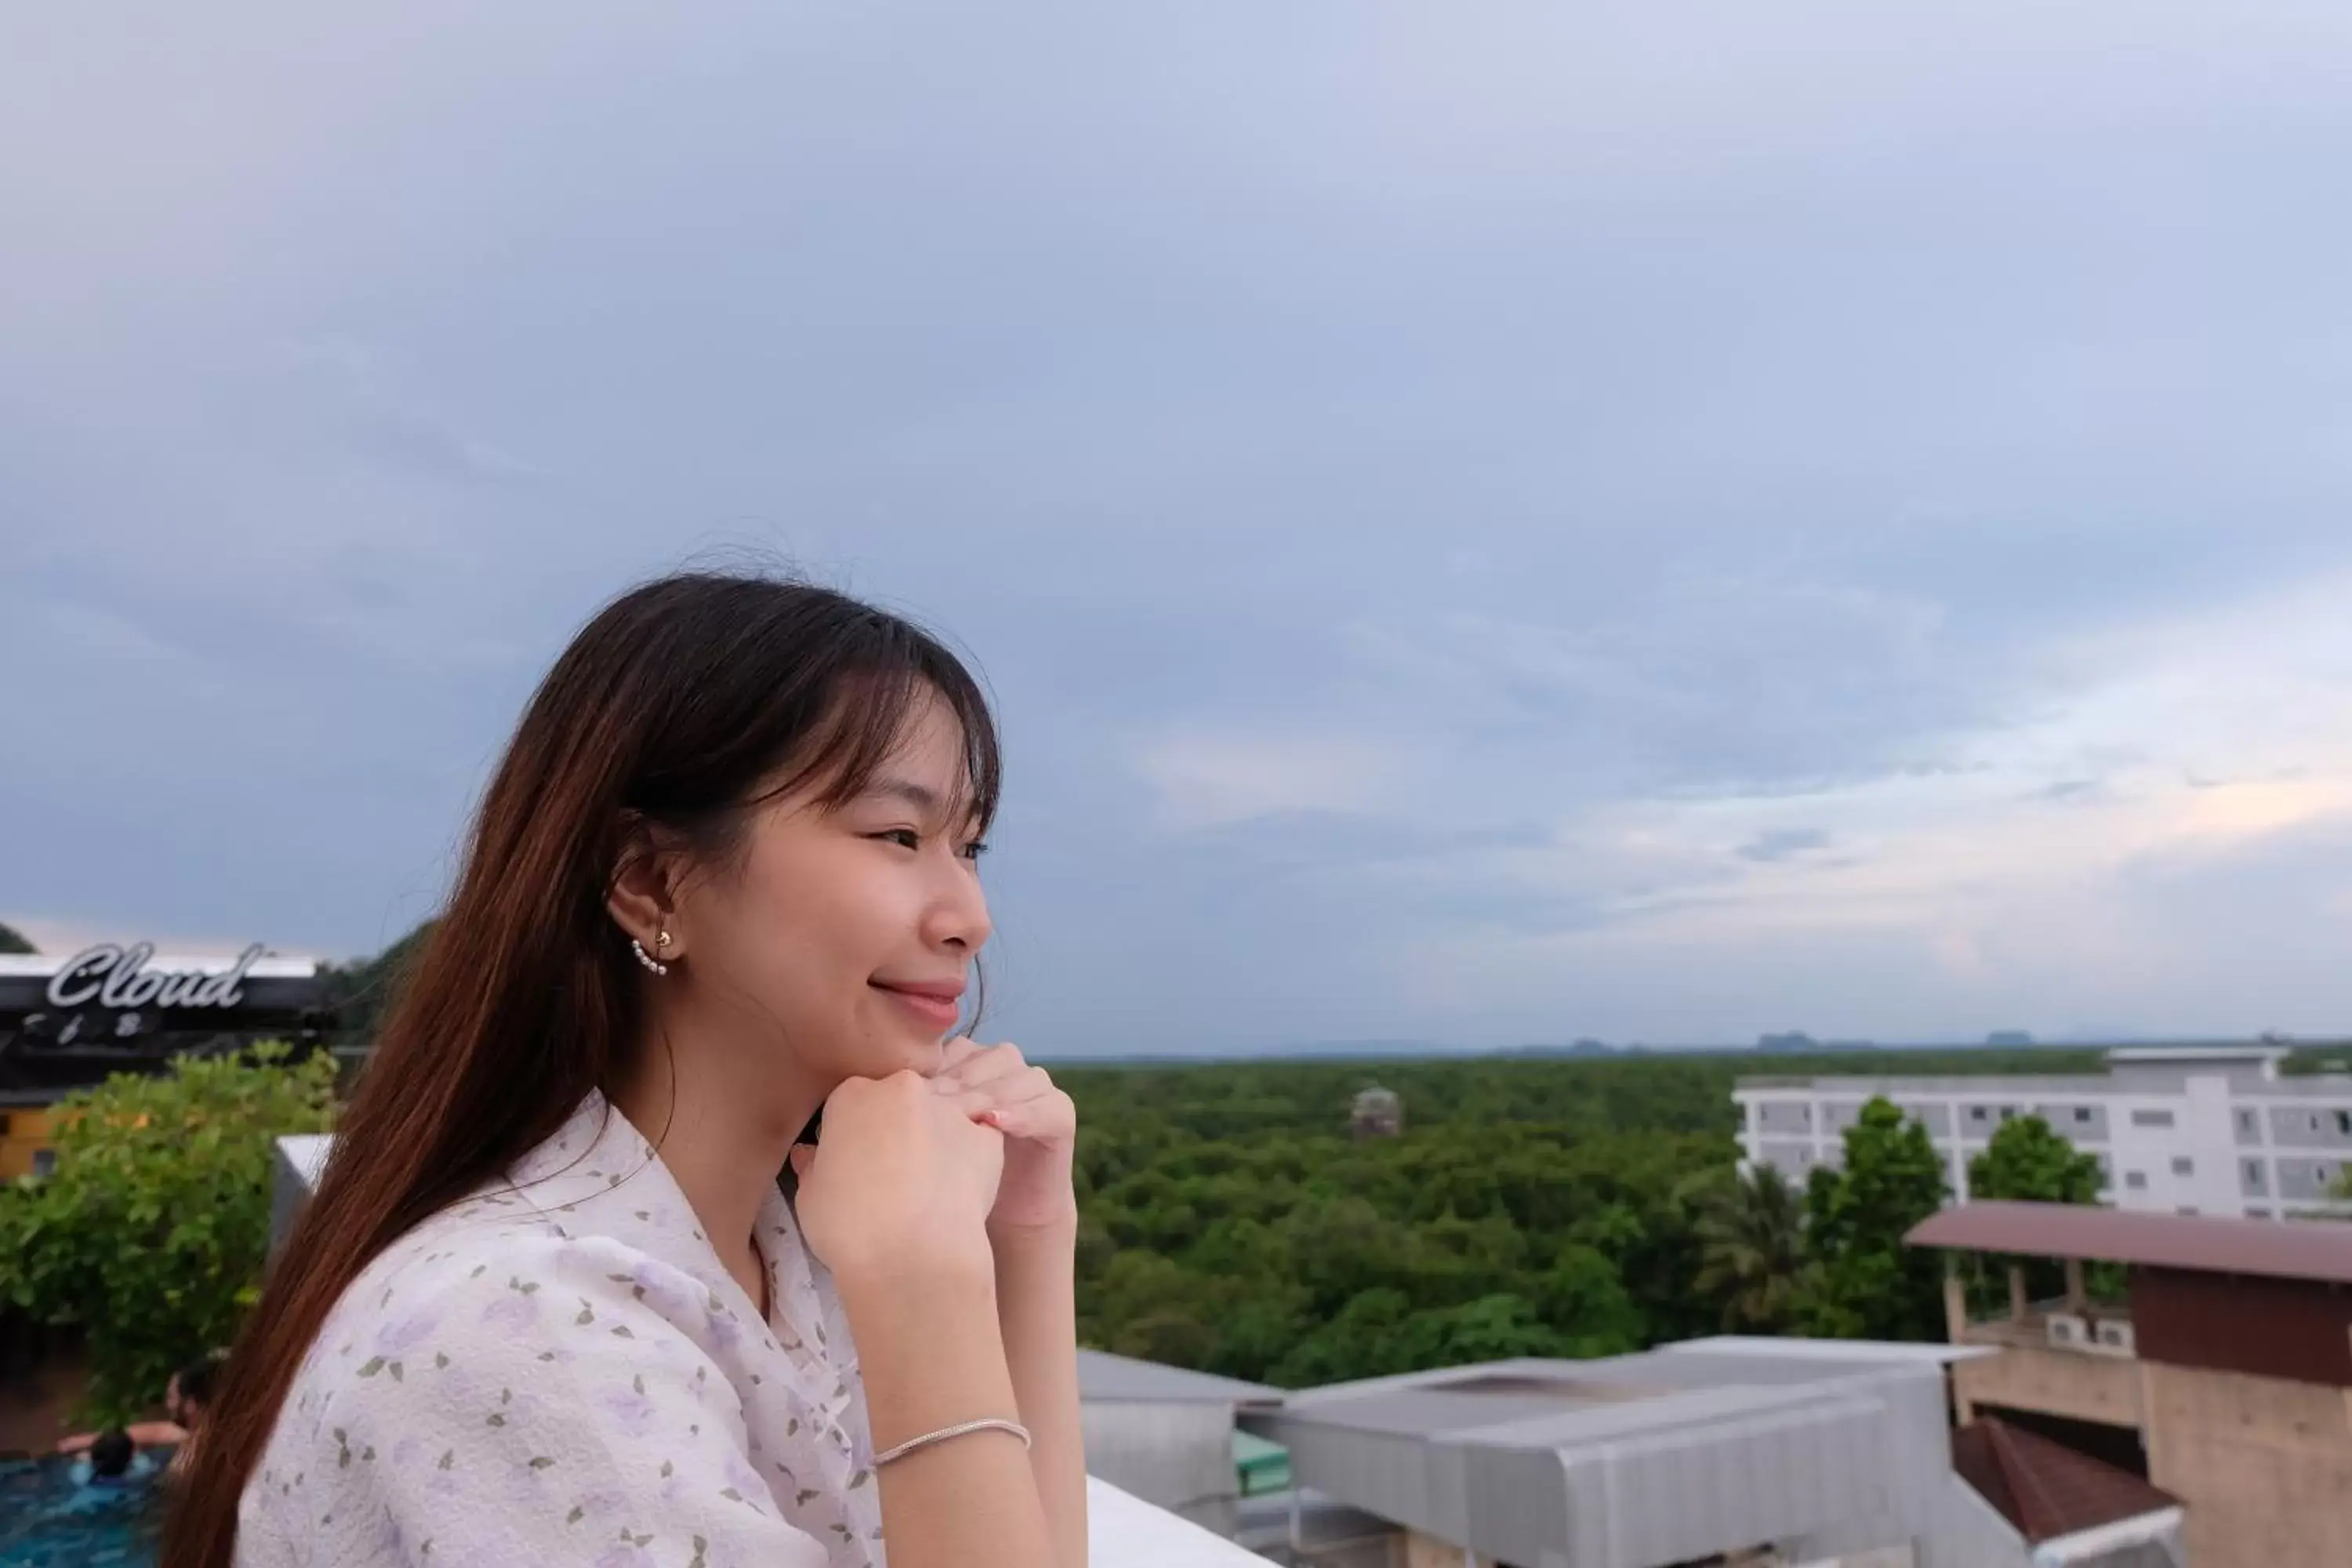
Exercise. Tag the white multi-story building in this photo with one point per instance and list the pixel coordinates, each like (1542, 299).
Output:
(2176, 1130)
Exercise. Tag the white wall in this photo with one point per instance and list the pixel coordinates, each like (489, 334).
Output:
(1177, 1455)
(1799, 1129)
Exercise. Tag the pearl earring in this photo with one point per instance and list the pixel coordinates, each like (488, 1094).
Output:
(653, 964)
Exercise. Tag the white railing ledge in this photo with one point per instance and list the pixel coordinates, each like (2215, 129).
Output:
(1125, 1531)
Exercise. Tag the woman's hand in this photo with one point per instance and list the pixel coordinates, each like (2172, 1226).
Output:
(902, 1182)
(994, 1086)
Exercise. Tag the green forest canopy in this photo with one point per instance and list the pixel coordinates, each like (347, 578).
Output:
(1532, 1207)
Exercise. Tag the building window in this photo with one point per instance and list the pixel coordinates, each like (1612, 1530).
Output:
(2082, 1113)
(2136, 1180)
(2245, 1121)
(1976, 1113)
(4, 1127)
(2151, 1119)
(2254, 1172)
(45, 1161)
(2343, 1122)
(2186, 1209)
(2182, 1165)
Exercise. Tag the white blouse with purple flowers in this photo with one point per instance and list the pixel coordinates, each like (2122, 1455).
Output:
(559, 1370)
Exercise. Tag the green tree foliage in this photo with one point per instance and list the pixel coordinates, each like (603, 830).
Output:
(1751, 1236)
(152, 1233)
(2027, 1161)
(1533, 1206)
(1870, 1284)
(13, 940)
(1231, 1224)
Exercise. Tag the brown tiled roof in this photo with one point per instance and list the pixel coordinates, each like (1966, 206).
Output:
(2273, 1248)
(2043, 1486)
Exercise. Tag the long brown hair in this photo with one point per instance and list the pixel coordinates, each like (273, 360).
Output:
(683, 704)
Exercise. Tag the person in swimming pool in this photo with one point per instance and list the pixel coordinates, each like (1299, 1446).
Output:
(185, 1396)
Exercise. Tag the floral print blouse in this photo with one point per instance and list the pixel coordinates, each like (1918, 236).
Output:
(559, 1370)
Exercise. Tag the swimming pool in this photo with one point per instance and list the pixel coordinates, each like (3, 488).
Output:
(47, 1520)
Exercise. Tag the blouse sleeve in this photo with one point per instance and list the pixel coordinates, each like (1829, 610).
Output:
(550, 1403)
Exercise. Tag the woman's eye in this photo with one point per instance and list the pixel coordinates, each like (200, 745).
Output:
(904, 838)
(975, 849)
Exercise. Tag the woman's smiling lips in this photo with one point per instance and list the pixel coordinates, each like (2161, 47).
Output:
(938, 1002)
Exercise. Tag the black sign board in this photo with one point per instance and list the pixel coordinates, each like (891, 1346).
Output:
(111, 1008)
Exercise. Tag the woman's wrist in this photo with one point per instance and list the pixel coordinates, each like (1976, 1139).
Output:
(930, 1349)
(949, 1270)
(1057, 1230)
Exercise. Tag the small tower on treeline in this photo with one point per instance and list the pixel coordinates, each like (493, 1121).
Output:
(1378, 1113)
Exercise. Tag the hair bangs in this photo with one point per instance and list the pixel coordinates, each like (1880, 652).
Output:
(870, 715)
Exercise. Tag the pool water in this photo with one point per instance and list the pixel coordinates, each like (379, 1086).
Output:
(49, 1520)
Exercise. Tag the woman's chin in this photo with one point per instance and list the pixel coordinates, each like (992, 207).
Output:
(927, 1056)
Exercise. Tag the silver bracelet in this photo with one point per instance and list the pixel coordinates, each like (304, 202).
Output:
(985, 1423)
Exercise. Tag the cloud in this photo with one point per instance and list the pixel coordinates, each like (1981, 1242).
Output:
(1725, 682)
(1974, 872)
(1483, 526)
(1203, 779)
(1783, 844)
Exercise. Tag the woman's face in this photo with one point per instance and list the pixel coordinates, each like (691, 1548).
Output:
(852, 928)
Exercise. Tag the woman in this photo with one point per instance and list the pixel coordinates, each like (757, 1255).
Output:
(575, 1286)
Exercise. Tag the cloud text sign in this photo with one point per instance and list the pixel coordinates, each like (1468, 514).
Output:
(118, 977)
(120, 1006)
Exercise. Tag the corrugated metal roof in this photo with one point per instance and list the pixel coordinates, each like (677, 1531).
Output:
(2209, 1244)
(1659, 1456)
(1102, 1376)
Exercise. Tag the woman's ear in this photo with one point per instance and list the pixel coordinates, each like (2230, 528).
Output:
(641, 898)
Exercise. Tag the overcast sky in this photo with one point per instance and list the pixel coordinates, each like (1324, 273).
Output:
(1488, 522)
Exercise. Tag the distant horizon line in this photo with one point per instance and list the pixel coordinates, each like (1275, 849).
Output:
(1425, 1050)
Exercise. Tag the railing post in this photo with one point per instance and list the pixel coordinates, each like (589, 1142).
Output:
(2017, 1292)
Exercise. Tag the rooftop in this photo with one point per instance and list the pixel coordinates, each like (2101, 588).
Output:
(2208, 1244)
(2045, 1488)
(1102, 1376)
(271, 966)
(1674, 1454)
(1552, 1403)
(2168, 1055)
(2041, 1087)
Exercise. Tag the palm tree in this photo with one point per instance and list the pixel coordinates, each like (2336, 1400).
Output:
(1752, 1249)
